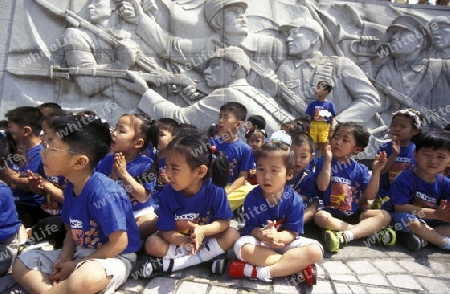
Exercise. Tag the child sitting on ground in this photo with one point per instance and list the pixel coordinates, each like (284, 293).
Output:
(271, 245)
(343, 183)
(421, 197)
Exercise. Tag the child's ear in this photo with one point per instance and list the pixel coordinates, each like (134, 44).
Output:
(289, 174)
(81, 162)
(27, 131)
(357, 150)
(312, 156)
(139, 143)
(202, 171)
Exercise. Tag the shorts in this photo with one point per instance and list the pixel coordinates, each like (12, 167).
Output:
(400, 221)
(299, 241)
(118, 267)
(144, 211)
(353, 219)
(319, 131)
(237, 197)
(8, 252)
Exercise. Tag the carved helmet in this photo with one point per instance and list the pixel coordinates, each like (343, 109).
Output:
(304, 23)
(412, 24)
(212, 7)
(234, 54)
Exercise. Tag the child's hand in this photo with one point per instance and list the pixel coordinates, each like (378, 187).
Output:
(442, 212)
(62, 270)
(163, 178)
(395, 145)
(379, 162)
(270, 235)
(120, 164)
(35, 183)
(197, 236)
(328, 154)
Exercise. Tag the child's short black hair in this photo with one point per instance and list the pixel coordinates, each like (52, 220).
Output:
(274, 146)
(26, 116)
(326, 86)
(258, 121)
(299, 139)
(88, 136)
(50, 107)
(170, 125)
(360, 133)
(236, 108)
(213, 131)
(435, 140)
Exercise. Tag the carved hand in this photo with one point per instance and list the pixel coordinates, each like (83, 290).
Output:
(131, 11)
(135, 83)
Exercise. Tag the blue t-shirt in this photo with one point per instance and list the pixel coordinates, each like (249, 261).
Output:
(33, 164)
(209, 204)
(159, 184)
(409, 188)
(101, 209)
(305, 185)
(288, 214)
(348, 182)
(9, 221)
(403, 161)
(240, 156)
(136, 168)
(321, 111)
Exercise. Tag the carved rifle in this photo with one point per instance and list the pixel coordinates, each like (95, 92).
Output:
(429, 115)
(146, 63)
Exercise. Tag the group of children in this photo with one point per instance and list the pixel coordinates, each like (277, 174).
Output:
(177, 190)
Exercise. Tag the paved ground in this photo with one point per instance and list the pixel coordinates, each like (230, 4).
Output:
(354, 269)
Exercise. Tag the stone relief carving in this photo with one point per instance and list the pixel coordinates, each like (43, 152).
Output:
(379, 56)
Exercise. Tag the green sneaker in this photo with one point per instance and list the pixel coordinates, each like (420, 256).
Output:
(387, 237)
(334, 240)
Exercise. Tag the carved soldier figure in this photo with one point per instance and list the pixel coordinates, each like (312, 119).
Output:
(440, 35)
(353, 95)
(226, 73)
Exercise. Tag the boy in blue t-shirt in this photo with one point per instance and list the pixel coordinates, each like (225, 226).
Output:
(421, 197)
(102, 235)
(344, 184)
(321, 113)
(240, 155)
(24, 125)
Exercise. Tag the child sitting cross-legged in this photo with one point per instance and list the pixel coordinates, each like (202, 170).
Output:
(344, 184)
(273, 212)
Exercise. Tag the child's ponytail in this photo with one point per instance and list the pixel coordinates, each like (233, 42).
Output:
(219, 167)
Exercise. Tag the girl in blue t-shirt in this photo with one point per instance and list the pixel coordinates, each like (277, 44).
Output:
(131, 169)
(194, 213)
(273, 213)
(255, 139)
(405, 126)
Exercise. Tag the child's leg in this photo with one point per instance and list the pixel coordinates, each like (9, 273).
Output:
(310, 212)
(32, 281)
(324, 219)
(147, 224)
(156, 246)
(372, 221)
(437, 236)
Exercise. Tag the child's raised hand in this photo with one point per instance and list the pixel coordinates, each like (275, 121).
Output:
(379, 162)
(120, 164)
(443, 211)
(328, 154)
(197, 236)
(35, 182)
(395, 145)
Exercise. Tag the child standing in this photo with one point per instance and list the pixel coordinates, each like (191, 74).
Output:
(321, 113)
(102, 235)
(194, 216)
(273, 211)
(240, 156)
(405, 125)
(255, 139)
(24, 125)
(303, 179)
(421, 197)
(342, 181)
(129, 167)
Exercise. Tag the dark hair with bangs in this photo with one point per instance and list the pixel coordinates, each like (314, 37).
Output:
(146, 128)
(198, 151)
(360, 133)
(435, 140)
(298, 139)
(236, 108)
(89, 137)
(170, 125)
(26, 116)
(270, 147)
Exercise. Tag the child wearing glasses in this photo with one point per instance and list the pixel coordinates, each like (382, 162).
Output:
(102, 235)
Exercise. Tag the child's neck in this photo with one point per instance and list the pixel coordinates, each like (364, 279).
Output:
(273, 199)
(79, 179)
(192, 189)
(345, 159)
(131, 155)
(322, 98)
(31, 143)
(405, 143)
(229, 137)
(429, 178)
(297, 173)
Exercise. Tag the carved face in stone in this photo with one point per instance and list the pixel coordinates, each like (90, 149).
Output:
(441, 36)
(405, 42)
(299, 40)
(100, 10)
(234, 20)
(218, 73)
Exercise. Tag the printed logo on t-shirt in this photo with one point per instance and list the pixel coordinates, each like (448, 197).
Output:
(341, 197)
(423, 200)
(400, 164)
(321, 114)
(89, 239)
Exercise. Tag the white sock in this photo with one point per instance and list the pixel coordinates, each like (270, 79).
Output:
(349, 236)
(208, 251)
(248, 270)
(447, 244)
(263, 273)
